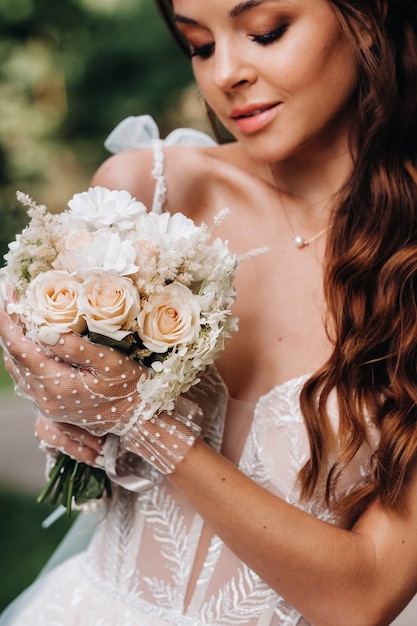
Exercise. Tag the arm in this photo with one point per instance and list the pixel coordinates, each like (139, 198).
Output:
(333, 576)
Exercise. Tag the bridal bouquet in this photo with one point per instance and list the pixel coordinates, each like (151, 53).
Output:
(153, 285)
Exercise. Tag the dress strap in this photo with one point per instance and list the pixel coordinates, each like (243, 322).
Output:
(141, 131)
(160, 192)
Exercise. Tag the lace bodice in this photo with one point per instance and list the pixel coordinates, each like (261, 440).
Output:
(153, 562)
(146, 547)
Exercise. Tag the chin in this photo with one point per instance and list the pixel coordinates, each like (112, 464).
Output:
(266, 150)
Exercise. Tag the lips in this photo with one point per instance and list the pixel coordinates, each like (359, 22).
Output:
(255, 117)
(251, 110)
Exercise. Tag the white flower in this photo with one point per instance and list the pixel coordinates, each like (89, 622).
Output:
(165, 229)
(34, 250)
(169, 318)
(107, 252)
(107, 266)
(110, 305)
(99, 207)
(52, 301)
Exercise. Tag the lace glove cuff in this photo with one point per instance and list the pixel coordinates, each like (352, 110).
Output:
(164, 440)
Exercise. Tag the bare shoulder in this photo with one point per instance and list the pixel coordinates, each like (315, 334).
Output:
(130, 170)
(199, 179)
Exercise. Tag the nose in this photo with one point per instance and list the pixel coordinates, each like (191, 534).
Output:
(232, 67)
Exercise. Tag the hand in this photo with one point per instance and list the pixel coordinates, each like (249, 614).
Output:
(74, 465)
(96, 388)
(75, 381)
(70, 440)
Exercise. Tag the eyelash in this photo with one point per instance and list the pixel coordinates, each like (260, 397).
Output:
(271, 36)
(204, 52)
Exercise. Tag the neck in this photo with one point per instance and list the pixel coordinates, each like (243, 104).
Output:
(312, 179)
(309, 188)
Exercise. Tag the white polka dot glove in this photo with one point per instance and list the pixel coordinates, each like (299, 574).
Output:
(95, 387)
(165, 439)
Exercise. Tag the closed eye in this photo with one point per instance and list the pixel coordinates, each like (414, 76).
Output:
(271, 36)
(203, 52)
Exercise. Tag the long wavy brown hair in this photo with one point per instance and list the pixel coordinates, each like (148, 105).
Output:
(370, 274)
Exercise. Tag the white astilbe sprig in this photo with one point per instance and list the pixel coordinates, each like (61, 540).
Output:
(26, 200)
(35, 249)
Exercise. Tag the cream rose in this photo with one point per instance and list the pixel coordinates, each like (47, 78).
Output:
(146, 257)
(52, 300)
(170, 318)
(70, 257)
(110, 304)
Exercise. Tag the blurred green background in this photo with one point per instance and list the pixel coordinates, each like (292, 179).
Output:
(70, 70)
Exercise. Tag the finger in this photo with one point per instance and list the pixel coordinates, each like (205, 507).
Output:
(46, 428)
(52, 436)
(21, 376)
(84, 437)
(104, 361)
(43, 360)
(19, 347)
(46, 361)
(81, 352)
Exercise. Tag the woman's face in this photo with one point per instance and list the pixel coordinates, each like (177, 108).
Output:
(279, 74)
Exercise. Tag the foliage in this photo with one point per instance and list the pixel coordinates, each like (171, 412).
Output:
(13, 219)
(71, 70)
(22, 559)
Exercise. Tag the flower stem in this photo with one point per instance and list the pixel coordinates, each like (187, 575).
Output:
(71, 481)
(70, 489)
(53, 477)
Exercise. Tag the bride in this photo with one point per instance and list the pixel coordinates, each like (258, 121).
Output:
(307, 514)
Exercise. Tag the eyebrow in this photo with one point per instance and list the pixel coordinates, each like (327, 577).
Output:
(240, 8)
(244, 6)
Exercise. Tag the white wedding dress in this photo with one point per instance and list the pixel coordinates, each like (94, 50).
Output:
(142, 567)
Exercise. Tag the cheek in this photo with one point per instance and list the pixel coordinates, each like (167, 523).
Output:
(329, 78)
(205, 84)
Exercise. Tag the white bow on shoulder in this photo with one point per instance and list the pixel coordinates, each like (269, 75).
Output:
(141, 131)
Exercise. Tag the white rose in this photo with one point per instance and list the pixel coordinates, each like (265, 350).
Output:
(170, 318)
(52, 301)
(110, 305)
(99, 207)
